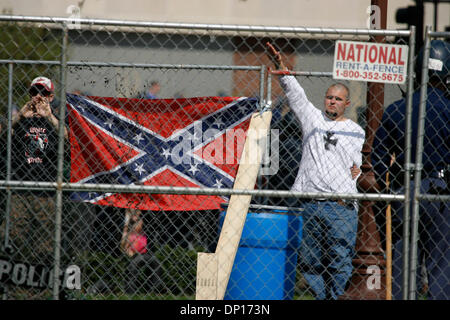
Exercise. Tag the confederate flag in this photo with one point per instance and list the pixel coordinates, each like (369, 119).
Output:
(192, 142)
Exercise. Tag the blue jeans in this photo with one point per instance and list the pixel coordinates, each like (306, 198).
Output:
(327, 249)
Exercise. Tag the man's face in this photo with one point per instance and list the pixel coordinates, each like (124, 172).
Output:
(336, 102)
(39, 92)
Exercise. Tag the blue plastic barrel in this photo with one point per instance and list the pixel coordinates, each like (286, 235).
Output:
(265, 263)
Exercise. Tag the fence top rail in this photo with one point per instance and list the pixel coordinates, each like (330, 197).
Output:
(301, 73)
(203, 26)
(439, 34)
(133, 65)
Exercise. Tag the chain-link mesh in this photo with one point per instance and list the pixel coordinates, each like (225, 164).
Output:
(430, 220)
(115, 250)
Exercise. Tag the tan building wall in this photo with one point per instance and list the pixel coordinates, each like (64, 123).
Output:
(308, 13)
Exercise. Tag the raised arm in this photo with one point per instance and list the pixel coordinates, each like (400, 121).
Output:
(295, 94)
(276, 58)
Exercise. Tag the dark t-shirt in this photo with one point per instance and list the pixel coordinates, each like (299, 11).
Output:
(34, 150)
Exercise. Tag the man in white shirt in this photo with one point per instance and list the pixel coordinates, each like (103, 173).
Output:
(331, 157)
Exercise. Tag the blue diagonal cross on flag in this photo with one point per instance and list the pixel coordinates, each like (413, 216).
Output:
(192, 142)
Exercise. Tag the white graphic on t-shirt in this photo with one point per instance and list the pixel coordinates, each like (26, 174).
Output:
(36, 143)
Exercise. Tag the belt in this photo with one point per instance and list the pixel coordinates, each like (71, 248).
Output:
(349, 204)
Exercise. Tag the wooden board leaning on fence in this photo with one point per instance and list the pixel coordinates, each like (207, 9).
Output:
(214, 269)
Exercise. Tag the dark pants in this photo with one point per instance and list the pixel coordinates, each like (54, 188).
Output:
(32, 227)
(432, 247)
(31, 236)
(143, 274)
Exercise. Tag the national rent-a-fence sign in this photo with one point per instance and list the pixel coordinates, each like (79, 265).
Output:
(371, 62)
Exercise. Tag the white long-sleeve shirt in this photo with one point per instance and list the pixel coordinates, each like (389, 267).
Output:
(330, 148)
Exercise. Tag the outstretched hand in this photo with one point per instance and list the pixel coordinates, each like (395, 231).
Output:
(275, 56)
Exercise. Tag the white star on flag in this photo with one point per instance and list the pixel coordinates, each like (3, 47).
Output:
(241, 108)
(218, 183)
(140, 169)
(138, 138)
(219, 123)
(109, 123)
(193, 169)
(166, 153)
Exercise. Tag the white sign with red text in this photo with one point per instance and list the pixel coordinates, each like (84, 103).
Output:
(372, 62)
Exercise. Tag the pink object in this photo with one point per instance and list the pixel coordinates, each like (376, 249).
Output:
(138, 243)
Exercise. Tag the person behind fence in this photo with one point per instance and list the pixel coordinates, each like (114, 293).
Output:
(290, 138)
(143, 270)
(152, 91)
(331, 157)
(389, 141)
(33, 158)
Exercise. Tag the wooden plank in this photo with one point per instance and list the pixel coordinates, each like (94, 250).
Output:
(221, 263)
(206, 286)
(238, 206)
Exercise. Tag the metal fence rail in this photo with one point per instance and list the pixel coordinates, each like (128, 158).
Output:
(112, 58)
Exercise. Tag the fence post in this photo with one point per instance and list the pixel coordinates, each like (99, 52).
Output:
(60, 165)
(8, 154)
(6, 245)
(418, 168)
(408, 135)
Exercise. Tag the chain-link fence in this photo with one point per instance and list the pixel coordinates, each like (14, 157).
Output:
(97, 216)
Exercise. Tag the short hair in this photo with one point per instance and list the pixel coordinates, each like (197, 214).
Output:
(340, 85)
